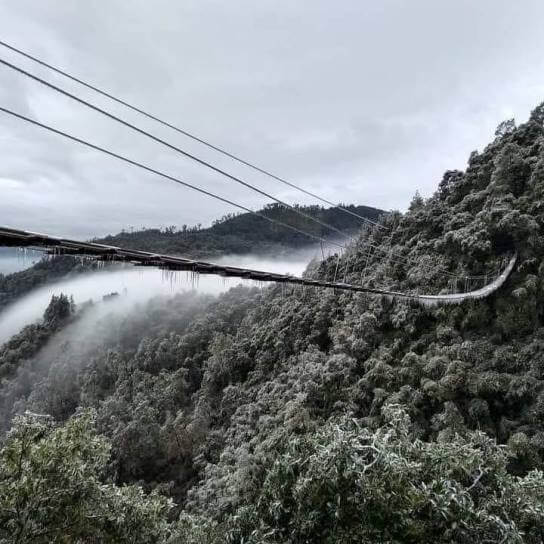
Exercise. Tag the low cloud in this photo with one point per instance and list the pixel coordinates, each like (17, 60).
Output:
(137, 286)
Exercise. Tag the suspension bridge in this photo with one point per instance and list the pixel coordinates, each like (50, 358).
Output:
(61, 246)
(100, 252)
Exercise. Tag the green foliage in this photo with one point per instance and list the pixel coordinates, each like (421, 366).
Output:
(51, 488)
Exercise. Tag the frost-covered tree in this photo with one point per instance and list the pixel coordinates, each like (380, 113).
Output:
(52, 488)
(347, 484)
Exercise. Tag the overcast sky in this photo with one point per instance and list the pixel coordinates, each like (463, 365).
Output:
(363, 102)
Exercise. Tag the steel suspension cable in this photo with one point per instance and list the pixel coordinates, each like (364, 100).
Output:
(202, 141)
(193, 157)
(163, 175)
(399, 258)
(178, 181)
(169, 145)
(195, 188)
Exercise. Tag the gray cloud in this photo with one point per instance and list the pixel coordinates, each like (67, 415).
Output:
(365, 102)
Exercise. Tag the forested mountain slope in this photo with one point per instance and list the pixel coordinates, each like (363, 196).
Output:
(247, 233)
(12, 286)
(275, 416)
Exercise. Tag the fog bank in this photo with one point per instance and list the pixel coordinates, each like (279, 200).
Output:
(137, 285)
(15, 260)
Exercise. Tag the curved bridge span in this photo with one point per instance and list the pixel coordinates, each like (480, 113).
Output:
(63, 246)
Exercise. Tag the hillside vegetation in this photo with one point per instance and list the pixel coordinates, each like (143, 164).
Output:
(298, 416)
(247, 233)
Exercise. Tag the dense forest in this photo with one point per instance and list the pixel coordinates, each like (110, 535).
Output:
(284, 415)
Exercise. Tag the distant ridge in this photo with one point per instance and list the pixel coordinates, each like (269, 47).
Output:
(244, 232)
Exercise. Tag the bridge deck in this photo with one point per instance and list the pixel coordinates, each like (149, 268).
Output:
(63, 246)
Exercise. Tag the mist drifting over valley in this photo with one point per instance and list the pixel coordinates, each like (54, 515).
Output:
(139, 285)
